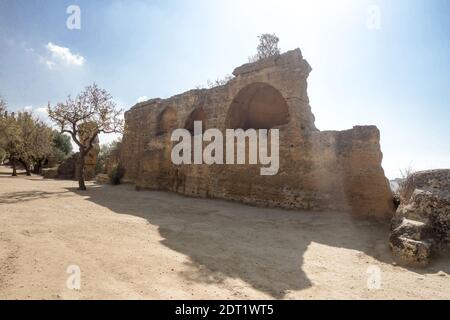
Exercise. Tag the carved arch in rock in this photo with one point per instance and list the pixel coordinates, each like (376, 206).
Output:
(197, 115)
(257, 106)
(167, 121)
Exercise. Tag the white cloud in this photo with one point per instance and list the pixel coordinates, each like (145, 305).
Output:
(142, 99)
(50, 64)
(64, 55)
(27, 109)
(42, 110)
(40, 113)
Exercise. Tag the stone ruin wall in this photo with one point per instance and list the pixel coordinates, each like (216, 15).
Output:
(319, 170)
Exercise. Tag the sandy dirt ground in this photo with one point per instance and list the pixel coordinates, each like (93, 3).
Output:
(156, 245)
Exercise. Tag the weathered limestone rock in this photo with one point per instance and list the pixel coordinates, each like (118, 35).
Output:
(67, 169)
(319, 170)
(113, 158)
(90, 160)
(102, 178)
(410, 252)
(423, 215)
(50, 173)
(408, 243)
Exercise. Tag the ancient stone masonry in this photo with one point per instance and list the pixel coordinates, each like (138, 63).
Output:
(319, 170)
(68, 169)
(421, 225)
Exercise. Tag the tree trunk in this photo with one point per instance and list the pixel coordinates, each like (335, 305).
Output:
(27, 169)
(38, 167)
(81, 184)
(26, 166)
(14, 173)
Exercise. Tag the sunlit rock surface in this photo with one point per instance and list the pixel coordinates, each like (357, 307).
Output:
(421, 225)
(319, 170)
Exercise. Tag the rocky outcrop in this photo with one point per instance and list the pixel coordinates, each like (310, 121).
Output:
(68, 168)
(102, 178)
(49, 173)
(318, 170)
(421, 224)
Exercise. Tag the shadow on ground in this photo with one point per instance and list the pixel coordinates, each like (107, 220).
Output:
(22, 196)
(263, 247)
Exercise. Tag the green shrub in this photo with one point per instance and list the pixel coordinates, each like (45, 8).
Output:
(116, 174)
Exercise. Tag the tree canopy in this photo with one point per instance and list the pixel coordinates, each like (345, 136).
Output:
(267, 47)
(84, 117)
(25, 139)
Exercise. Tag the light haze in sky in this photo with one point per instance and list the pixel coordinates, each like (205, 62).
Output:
(385, 63)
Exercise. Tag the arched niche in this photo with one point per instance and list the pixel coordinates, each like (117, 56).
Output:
(197, 115)
(167, 121)
(257, 106)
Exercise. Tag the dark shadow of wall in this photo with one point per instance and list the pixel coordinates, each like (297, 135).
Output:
(261, 246)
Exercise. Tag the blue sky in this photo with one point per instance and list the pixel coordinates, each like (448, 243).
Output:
(395, 76)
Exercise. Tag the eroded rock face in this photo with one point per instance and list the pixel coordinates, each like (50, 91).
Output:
(421, 224)
(409, 243)
(69, 167)
(319, 170)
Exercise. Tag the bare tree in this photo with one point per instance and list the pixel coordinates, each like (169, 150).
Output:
(92, 112)
(219, 82)
(267, 47)
(405, 179)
